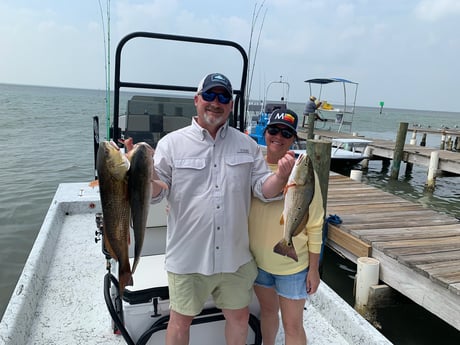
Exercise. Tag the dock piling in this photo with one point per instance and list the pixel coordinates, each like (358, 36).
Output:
(367, 274)
(413, 140)
(443, 140)
(311, 125)
(320, 154)
(432, 170)
(423, 141)
(399, 149)
(367, 153)
(356, 175)
(449, 143)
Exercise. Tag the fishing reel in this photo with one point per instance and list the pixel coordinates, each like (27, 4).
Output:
(98, 235)
(100, 226)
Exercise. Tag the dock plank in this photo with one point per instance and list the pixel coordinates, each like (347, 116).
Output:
(415, 260)
(403, 233)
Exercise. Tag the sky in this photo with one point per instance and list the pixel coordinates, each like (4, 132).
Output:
(403, 52)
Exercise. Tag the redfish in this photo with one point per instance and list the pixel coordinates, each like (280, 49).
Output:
(112, 170)
(140, 192)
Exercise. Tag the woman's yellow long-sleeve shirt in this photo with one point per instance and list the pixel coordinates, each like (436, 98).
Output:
(265, 231)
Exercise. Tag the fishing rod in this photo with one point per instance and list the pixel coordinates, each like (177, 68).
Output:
(106, 38)
(255, 16)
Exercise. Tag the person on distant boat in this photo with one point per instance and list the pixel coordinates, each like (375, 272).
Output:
(212, 170)
(311, 108)
(282, 283)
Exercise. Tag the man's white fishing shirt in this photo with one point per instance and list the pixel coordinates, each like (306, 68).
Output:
(210, 183)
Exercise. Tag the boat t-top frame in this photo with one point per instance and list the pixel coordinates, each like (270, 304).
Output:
(343, 110)
(239, 106)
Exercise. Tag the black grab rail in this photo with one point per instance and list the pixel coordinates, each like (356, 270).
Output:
(238, 111)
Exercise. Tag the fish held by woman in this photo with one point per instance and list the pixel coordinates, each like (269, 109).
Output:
(298, 195)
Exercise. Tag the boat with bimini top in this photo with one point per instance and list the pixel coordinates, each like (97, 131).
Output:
(345, 153)
(336, 114)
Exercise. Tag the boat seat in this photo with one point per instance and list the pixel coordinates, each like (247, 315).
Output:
(270, 107)
(150, 280)
(146, 309)
(171, 123)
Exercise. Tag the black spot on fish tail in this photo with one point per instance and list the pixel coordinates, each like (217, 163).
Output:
(285, 248)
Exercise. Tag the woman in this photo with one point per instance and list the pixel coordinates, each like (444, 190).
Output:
(282, 283)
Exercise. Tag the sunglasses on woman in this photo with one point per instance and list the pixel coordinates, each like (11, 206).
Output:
(286, 133)
(210, 96)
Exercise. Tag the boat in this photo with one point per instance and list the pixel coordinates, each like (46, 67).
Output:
(339, 113)
(68, 290)
(345, 153)
(348, 152)
(258, 114)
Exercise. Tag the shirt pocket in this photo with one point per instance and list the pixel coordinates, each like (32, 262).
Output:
(238, 171)
(190, 176)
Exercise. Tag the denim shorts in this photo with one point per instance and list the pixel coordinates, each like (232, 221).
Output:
(292, 286)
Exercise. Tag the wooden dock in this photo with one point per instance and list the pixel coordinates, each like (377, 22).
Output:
(449, 161)
(418, 248)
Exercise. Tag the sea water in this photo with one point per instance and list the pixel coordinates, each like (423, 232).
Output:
(48, 139)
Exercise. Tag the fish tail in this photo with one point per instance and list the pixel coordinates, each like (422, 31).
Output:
(286, 248)
(136, 261)
(125, 278)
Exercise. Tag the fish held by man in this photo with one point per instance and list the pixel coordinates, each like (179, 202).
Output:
(298, 195)
(112, 169)
(140, 193)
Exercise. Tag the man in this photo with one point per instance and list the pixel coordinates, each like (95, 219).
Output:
(210, 169)
(311, 107)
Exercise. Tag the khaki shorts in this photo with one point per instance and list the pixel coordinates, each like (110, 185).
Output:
(189, 292)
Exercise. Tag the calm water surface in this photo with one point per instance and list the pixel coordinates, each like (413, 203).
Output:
(47, 139)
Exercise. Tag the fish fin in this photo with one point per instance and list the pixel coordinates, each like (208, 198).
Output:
(285, 248)
(94, 183)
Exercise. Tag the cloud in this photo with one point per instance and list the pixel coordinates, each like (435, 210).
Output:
(402, 50)
(436, 10)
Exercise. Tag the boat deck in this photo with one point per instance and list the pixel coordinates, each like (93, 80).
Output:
(418, 248)
(59, 296)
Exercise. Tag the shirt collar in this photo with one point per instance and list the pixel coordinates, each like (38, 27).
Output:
(202, 132)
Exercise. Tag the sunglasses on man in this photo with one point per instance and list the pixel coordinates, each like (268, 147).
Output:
(286, 133)
(210, 96)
